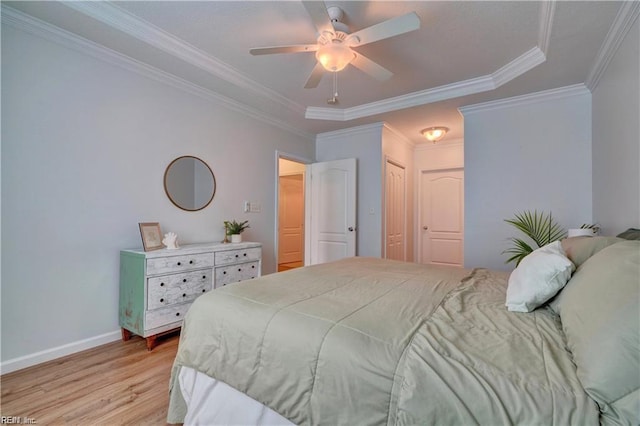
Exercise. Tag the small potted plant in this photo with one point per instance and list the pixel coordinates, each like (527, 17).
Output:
(234, 229)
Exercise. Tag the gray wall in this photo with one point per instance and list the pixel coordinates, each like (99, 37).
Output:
(84, 148)
(616, 139)
(529, 153)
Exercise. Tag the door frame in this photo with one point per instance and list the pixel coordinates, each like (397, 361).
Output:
(297, 159)
(418, 218)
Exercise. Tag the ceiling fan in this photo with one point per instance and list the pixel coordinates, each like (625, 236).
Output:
(334, 47)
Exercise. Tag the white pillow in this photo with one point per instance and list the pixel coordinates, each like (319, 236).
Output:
(538, 277)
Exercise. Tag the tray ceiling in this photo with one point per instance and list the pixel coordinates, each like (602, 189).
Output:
(465, 52)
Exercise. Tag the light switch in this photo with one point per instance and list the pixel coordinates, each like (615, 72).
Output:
(255, 207)
(250, 207)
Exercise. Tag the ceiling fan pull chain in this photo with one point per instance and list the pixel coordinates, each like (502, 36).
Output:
(335, 84)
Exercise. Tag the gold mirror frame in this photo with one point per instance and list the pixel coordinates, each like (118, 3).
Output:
(189, 183)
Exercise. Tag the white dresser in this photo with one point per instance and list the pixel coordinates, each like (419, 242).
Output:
(157, 287)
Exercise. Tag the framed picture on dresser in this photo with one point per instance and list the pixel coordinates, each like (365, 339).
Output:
(151, 235)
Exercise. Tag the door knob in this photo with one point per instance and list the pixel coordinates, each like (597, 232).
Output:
(350, 229)
(425, 227)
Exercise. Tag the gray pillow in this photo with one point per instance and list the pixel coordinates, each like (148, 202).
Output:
(600, 313)
(579, 249)
(630, 234)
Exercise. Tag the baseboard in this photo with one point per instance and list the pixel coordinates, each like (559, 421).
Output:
(60, 351)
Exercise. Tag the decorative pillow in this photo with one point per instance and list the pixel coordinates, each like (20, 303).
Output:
(579, 249)
(538, 277)
(600, 314)
(630, 234)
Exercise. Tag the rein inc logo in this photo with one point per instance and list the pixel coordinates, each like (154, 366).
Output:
(17, 420)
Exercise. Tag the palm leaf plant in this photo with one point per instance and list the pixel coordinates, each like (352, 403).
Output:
(234, 227)
(539, 227)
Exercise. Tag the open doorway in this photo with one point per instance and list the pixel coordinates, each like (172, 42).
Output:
(291, 214)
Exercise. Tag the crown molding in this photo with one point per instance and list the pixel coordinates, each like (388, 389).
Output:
(399, 135)
(116, 17)
(39, 28)
(543, 96)
(623, 22)
(467, 87)
(119, 18)
(547, 12)
(377, 127)
(428, 146)
(351, 131)
(513, 69)
(523, 63)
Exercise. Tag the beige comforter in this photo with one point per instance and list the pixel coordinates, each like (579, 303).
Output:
(366, 341)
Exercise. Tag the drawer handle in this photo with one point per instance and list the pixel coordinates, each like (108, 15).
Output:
(204, 276)
(237, 255)
(204, 290)
(177, 314)
(253, 266)
(161, 300)
(161, 284)
(245, 255)
(239, 269)
(191, 262)
(179, 263)
(224, 272)
(184, 294)
(184, 280)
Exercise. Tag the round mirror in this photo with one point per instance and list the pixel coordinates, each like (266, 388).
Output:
(189, 183)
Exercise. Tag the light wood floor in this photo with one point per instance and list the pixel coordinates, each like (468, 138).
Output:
(119, 383)
(290, 265)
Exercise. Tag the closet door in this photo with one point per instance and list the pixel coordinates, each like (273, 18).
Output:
(395, 211)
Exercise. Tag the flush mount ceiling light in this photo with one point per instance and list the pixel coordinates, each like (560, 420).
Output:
(434, 134)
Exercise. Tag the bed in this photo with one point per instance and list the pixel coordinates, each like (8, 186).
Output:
(365, 341)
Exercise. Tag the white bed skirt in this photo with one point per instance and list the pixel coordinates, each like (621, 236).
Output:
(211, 402)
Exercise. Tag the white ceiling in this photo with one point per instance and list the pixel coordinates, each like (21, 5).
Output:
(465, 52)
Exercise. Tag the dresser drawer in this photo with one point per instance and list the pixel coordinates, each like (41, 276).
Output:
(162, 265)
(238, 272)
(240, 255)
(164, 316)
(177, 288)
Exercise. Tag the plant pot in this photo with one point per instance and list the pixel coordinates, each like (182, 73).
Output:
(587, 232)
(236, 238)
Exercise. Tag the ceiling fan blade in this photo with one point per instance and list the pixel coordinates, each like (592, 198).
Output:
(315, 77)
(373, 69)
(284, 49)
(318, 12)
(390, 28)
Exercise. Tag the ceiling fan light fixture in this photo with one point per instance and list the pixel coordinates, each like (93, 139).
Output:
(434, 134)
(335, 55)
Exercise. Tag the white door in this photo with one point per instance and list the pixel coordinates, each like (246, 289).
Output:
(331, 211)
(442, 217)
(291, 219)
(395, 221)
